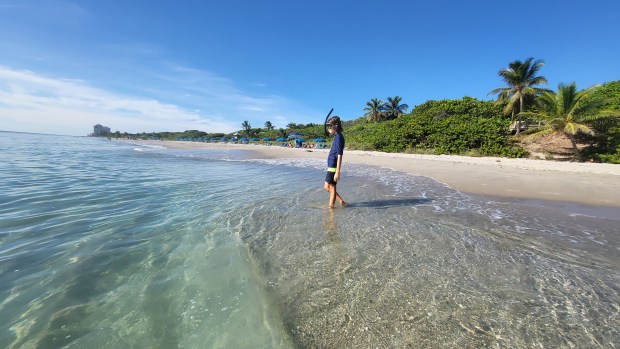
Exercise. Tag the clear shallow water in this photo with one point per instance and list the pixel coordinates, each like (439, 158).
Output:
(104, 244)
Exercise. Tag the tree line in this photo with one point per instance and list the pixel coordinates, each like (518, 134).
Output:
(473, 127)
(580, 115)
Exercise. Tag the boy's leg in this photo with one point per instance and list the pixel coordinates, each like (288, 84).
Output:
(332, 195)
(340, 200)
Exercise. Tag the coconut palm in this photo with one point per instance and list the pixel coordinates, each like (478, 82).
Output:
(374, 110)
(246, 127)
(569, 112)
(268, 125)
(393, 108)
(521, 78)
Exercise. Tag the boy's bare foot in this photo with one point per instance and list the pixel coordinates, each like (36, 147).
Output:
(344, 204)
(330, 207)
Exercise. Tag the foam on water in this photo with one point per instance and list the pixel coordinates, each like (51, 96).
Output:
(105, 246)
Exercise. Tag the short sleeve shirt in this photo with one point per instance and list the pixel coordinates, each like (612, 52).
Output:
(336, 149)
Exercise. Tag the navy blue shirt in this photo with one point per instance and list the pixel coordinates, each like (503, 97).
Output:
(336, 149)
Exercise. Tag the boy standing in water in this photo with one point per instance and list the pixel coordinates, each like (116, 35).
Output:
(334, 161)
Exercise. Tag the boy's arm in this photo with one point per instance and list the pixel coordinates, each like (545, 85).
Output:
(338, 165)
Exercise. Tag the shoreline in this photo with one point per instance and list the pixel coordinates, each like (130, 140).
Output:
(505, 179)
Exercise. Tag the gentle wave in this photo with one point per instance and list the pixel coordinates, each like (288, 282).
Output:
(105, 246)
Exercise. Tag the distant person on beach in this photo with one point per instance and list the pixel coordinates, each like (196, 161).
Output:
(334, 161)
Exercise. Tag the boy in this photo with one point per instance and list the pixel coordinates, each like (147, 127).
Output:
(334, 161)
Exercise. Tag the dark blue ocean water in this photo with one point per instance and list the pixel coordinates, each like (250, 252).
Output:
(117, 245)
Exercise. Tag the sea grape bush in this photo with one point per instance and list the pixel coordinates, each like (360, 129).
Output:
(460, 126)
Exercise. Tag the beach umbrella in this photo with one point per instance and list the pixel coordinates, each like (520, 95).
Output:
(266, 139)
(281, 139)
(254, 139)
(244, 139)
(319, 140)
(295, 135)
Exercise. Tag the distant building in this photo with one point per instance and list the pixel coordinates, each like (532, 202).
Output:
(101, 130)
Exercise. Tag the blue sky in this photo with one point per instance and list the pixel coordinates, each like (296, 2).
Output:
(145, 66)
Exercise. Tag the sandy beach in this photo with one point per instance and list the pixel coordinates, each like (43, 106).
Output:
(589, 184)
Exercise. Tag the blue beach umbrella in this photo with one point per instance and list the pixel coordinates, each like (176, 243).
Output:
(281, 139)
(254, 139)
(266, 139)
(319, 140)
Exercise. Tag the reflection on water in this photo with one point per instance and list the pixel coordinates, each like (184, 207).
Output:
(125, 250)
(162, 249)
(422, 271)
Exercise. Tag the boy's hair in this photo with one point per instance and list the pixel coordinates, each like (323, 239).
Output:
(335, 121)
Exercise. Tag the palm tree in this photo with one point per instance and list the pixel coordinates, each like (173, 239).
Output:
(521, 78)
(268, 125)
(569, 112)
(374, 110)
(246, 127)
(393, 108)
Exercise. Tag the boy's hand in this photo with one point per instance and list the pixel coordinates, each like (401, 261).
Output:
(336, 177)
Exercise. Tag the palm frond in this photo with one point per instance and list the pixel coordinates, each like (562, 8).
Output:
(511, 104)
(573, 128)
(500, 90)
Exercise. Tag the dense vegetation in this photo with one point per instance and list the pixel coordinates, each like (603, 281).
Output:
(604, 145)
(466, 126)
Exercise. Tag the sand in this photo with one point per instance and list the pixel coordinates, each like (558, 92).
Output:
(590, 184)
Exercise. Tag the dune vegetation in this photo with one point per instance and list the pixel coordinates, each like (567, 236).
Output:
(522, 112)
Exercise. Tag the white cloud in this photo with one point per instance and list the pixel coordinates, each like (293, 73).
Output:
(33, 103)
(217, 95)
(172, 98)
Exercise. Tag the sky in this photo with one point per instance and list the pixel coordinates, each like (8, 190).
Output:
(152, 66)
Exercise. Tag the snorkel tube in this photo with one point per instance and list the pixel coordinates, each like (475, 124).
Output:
(325, 123)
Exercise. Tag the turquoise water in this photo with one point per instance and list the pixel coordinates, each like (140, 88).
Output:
(109, 244)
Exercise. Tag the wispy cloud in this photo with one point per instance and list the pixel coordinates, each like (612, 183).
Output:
(171, 97)
(35, 103)
(216, 95)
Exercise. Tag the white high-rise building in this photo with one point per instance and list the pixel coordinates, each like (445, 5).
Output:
(101, 130)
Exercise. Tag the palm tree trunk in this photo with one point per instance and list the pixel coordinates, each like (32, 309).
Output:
(519, 115)
(575, 149)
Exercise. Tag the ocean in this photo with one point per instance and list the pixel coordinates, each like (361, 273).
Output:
(107, 244)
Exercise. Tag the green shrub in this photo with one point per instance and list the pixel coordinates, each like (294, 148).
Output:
(463, 126)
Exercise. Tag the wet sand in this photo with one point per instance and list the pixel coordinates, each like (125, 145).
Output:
(452, 274)
(589, 184)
